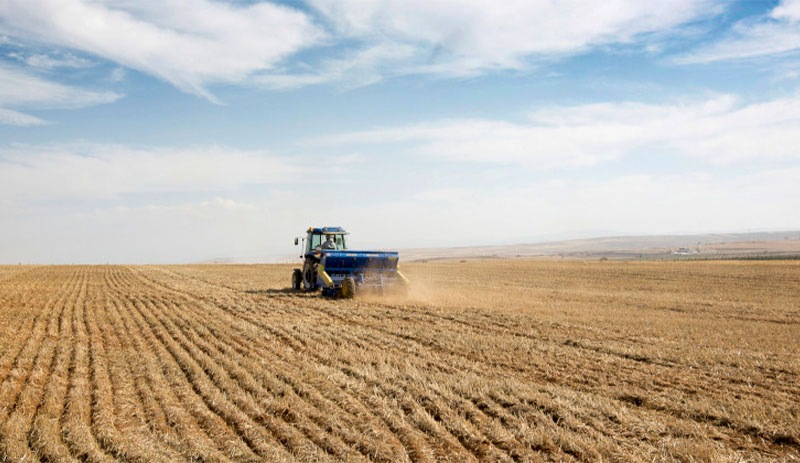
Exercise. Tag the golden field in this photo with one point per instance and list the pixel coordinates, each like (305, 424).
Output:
(485, 360)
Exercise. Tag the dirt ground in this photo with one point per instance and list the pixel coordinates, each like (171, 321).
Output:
(485, 360)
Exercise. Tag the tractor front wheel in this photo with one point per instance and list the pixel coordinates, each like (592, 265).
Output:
(348, 288)
(297, 279)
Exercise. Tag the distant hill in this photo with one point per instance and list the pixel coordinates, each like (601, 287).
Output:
(785, 243)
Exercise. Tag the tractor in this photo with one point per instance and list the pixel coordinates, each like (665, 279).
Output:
(341, 272)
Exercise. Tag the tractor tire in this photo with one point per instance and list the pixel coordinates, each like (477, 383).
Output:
(297, 279)
(349, 288)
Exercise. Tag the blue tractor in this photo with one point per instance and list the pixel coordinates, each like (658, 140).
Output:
(342, 272)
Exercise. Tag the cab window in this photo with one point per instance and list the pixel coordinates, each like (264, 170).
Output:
(314, 242)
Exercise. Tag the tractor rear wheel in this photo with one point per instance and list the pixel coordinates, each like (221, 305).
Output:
(349, 288)
(297, 279)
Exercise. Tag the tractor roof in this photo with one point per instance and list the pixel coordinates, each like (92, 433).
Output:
(327, 231)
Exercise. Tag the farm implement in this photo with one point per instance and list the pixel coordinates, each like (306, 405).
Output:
(341, 272)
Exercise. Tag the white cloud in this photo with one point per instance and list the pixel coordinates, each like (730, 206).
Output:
(361, 68)
(117, 74)
(777, 33)
(9, 117)
(21, 89)
(717, 130)
(467, 37)
(787, 10)
(69, 172)
(54, 60)
(188, 43)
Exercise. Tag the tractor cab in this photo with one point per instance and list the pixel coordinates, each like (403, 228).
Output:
(317, 239)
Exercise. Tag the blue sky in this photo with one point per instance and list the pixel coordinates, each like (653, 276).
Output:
(179, 131)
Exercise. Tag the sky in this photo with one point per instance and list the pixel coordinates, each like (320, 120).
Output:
(155, 131)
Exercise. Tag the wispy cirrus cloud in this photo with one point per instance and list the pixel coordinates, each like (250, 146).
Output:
(717, 130)
(22, 90)
(19, 88)
(774, 34)
(48, 61)
(10, 117)
(190, 44)
(458, 38)
(360, 68)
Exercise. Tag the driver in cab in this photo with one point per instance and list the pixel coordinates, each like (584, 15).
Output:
(329, 242)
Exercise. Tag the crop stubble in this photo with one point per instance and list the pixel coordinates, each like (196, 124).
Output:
(496, 360)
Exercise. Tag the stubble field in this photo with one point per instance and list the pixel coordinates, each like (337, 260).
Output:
(486, 360)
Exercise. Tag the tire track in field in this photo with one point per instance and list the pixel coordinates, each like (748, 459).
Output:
(485, 428)
(94, 336)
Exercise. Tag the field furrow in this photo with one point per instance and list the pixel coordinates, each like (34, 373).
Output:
(78, 417)
(541, 361)
(39, 359)
(45, 436)
(316, 427)
(466, 437)
(183, 407)
(289, 343)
